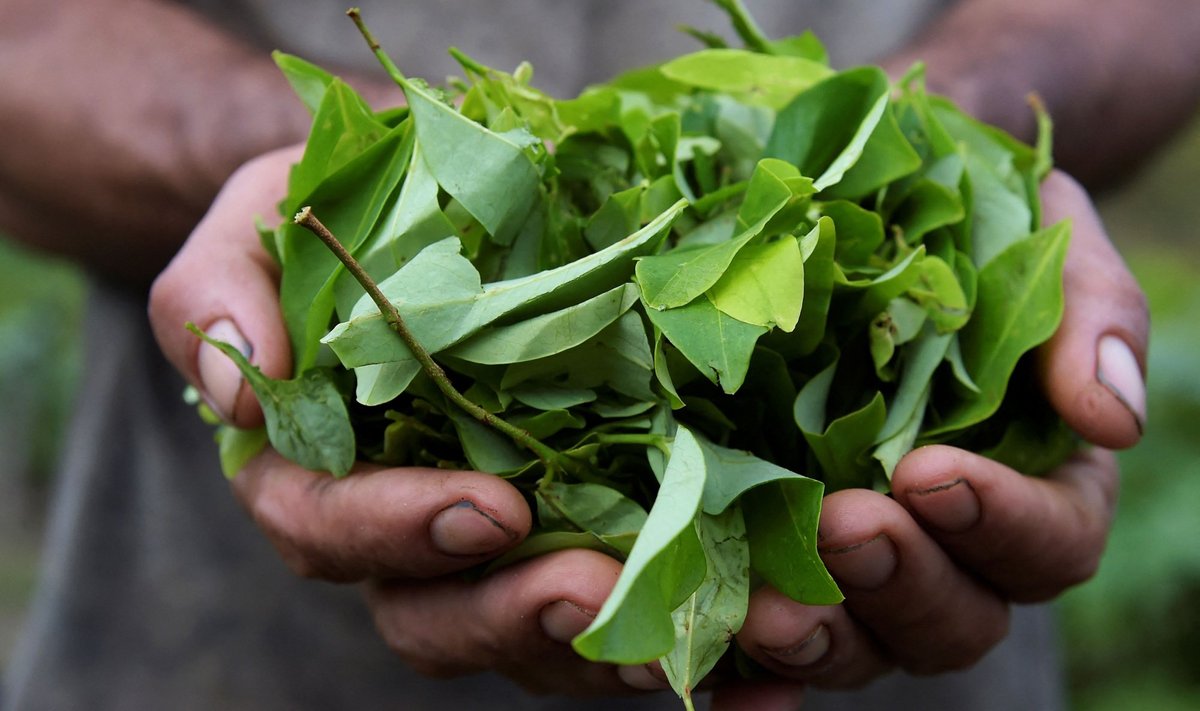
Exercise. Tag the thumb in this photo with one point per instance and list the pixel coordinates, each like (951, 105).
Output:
(223, 281)
(1093, 367)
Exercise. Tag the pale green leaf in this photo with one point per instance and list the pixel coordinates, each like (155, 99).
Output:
(707, 621)
(547, 334)
(719, 346)
(764, 285)
(666, 565)
(770, 80)
(1019, 306)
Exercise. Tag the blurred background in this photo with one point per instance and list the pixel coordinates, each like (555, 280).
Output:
(1131, 636)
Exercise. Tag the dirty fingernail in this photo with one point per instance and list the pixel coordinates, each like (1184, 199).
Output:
(807, 652)
(863, 566)
(563, 620)
(952, 507)
(463, 529)
(220, 379)
(1117, 369)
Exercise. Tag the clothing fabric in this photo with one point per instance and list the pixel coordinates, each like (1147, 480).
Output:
(157, 592)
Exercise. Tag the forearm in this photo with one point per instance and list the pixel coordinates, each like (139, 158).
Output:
(120, 119)
(1118, 76)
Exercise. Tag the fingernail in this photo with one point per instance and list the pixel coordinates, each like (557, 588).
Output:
(863, 566)
(806, 653)
(640, 676)
(1117, 369)
(220, 379)
(463, 529)
(952, 507)
(562, 621)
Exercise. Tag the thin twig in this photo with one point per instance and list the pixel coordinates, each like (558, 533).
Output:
(549, 457)
(393, 71)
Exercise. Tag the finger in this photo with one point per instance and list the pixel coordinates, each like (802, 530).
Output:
(518, 621)
(410, 522)
(224, 282)
(1030, 537)
(926, 613)
(821, 645)
(1093, 367)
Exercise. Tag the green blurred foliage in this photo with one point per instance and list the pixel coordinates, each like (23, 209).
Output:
(41, 307)
(1136, 626)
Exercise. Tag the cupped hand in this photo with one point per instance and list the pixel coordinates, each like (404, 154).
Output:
(404, 533)
(929, 573)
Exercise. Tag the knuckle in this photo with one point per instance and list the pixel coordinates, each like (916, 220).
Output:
(964, 648)
(290, 540)
(429, 655)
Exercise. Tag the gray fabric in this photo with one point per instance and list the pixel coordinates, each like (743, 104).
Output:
(569, 42)
(158, 593)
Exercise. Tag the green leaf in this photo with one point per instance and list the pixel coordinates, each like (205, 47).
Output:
(892, 449)
(542, 425)
(886, 157)
(439, 296)
(764, 285)
(486, 449)
(548, 334)
(380, 383)
(490, 174)
(781, 525)
(955, 359)
(840, 447)
(349, 202)
(666, 565)
(538, 544)
(826, 128)
(343, 128)
(859, 231)
(618, 358)
(819, 271)
(548, 396)
(615, 219)
(719, 346)
(307, 79)
(921, 359)
(928, 205)
(1019, 306)
(587, 507)
(769, 80)
(894, 327)
(238, 446)
(707, 621)
(806, 44)
(873, 295)
(306, 417)
(1001, 215)
(500, 91)
(776, 191)
(938, 290)
(676, 278)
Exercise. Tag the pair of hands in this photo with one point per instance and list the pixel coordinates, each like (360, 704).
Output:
(929, 573)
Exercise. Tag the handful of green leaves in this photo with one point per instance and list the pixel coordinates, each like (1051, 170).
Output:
(674, 310)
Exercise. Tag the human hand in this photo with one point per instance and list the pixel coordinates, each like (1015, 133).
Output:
(403, 533)
(930, 572)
